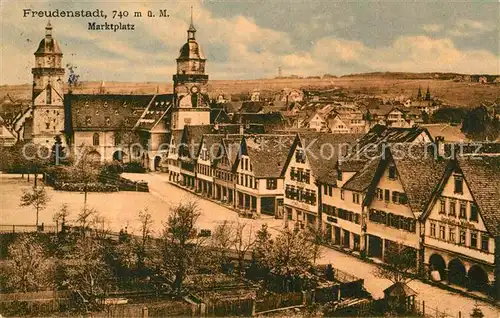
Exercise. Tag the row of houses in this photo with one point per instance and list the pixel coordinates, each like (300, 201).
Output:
(365, 191)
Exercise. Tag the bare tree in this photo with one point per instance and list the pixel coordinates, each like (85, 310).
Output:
(86, 271)
(262, 246)
(182, 248)
(243, 242)
(221, 242)
(85, 218)
(86, 169)
(60, 216)
(316, 236)
(27, 268)
(291, 253)
(400, 263)
(146, 220)
(36, 198)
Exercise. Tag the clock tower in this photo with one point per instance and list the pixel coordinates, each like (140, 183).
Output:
(47, 120)
(192, 105)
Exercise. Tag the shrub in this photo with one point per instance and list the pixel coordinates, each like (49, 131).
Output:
(133, 167)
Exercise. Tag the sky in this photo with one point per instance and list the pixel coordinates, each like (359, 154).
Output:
(252, 39)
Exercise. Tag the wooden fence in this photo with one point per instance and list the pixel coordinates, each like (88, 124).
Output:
(27, 228)
(273, 301)
(39, 303)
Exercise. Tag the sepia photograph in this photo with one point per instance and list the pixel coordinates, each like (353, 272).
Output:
(250, 158)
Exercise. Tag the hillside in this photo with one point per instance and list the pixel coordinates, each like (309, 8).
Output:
(460, 94)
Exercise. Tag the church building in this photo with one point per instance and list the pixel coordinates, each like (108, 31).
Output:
(117, 127)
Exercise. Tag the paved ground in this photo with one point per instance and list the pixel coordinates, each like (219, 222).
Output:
(120, 209)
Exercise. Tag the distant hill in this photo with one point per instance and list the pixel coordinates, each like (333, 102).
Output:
(433, 75)
(386, 85)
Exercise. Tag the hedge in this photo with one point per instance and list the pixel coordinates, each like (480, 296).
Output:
(80, 187)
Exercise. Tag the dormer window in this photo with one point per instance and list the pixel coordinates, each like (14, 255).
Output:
(88, 120)
(107, 120)
(86, 104)
(97, 112)
(116, 112)
(124, 104)
(105, 104)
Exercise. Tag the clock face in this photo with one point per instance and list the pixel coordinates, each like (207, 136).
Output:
(194, 89)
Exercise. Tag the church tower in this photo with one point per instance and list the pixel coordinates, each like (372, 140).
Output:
(48, 81)
(192, 105)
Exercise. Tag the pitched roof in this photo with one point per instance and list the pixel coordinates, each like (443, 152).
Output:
(364, 177)
(191, 139)
(323, 150)
(419, 171)
(251, 107)
(155, 111)
(268, 153)
(481, 174)
(213, 143)
(106, 112)
(219, 115)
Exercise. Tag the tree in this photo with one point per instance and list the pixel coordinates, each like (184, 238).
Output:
(86, 169)
(425, 117)
(85, 219)
(58, 151)
(86, 271)
(243, 242)
(125, 137)
(400, 263)
(291, 254)
(182, 248)
(27, 268)
(262, 246)
(316, 236)
(419, 94)
(36, 157)
(37, 198)
(478, 124)
(221, 242)
(60, 216)
(146, 221)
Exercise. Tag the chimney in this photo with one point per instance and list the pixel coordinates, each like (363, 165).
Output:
(440, 146)
(242, 129)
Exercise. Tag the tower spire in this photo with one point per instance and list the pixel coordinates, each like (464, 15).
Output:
(48, 29)
(192, 29)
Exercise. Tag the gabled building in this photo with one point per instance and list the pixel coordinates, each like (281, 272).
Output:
(311, 161)
(406, 179)
(223, 163)
(258, 173)
(462, 225)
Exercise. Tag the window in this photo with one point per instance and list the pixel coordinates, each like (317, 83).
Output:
(459, 184)
(380, 194)
(342, 194)
(463, 214)
(433, 229)
(451, 237)
(473, 239)
(442, 232)
(355, 198)
(325, 189)
(453, 206)
(462, 237)
(485, 240)
(463, 208)
(300, 156)
(473, 212)
(392, 172)
(387, 195)
(442, 206)
(395, 197)
(330, 190)
(272, 184)
(95, 139)
(47, 125)
(403, 199)
(339, 175)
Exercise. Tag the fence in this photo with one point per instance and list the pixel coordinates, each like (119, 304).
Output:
(272, 302)
(425, 310)
(39, 303)
(27, 228)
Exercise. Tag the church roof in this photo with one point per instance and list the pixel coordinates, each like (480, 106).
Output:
(104, 112)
